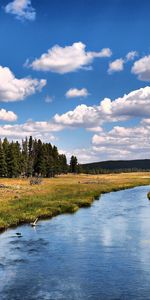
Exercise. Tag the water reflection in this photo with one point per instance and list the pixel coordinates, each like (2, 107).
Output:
(98, 253)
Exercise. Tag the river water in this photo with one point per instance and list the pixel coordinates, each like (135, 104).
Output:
(102, 252)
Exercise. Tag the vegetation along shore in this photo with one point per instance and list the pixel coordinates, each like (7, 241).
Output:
(148, 195)
(21, 202)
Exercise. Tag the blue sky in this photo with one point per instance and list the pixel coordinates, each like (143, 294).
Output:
(76, 73)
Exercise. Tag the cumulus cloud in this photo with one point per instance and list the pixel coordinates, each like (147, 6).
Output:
(7, 115)
(82, 115)
(134, 104)
(87, 116)
(123, 143)
(118, 143)
(84, 155)
(131, 55)
(116, 65)
(42, 130)
(141, 68)
(73, 93)
(13, 89)
(21, 9)
(67, 59)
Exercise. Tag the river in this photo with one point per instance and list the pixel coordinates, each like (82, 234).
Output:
(101, 252)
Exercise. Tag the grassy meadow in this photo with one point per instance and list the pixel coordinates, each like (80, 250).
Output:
(22, 203)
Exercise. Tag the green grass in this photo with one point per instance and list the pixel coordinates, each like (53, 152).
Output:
(22, 203)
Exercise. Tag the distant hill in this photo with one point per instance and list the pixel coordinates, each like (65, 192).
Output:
(117, 166)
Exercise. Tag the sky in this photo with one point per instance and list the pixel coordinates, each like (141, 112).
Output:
(76, 73)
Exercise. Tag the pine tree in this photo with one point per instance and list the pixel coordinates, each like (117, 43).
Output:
(17, 156)
(30, 164)
(40, 165)
(3, 166)
(31, 158)
(55, 160)
(73, 164)
(12, 163)
(24, 157)
(50, 161)
(5, 145)
(63, 167)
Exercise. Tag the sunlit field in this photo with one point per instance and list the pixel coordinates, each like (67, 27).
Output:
(21, 202)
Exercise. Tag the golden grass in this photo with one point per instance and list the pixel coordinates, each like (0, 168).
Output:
(20, 202)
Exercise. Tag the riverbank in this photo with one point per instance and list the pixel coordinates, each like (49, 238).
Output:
(22, 203)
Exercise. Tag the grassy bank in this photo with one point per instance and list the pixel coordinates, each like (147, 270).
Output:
(22, 203)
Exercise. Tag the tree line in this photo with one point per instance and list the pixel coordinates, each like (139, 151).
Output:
(117, 166)
(33, 158)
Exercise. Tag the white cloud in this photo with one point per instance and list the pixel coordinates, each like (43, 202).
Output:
(84, 155)
(141, 68)
(7, 115)
(67, 59)
(116, 65)
(40, 126)
(123, 143)
(82, 115)
(134, 104)
(131, 55)
(145, 122)
(13, 89)
(95, 129)
(73, 93)
(118, 143)
(42, 130)
(105, 52)
(22, 9)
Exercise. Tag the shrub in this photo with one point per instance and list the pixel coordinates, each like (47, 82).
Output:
(35, 180)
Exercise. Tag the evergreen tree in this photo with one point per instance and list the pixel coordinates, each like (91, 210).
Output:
(24, 157)
(55, 156)
(3, 166)
(5, 145)
(18, 156)
(63, 167)
(32, 157)
(73, 164)
(40, 164)
(12, 163)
